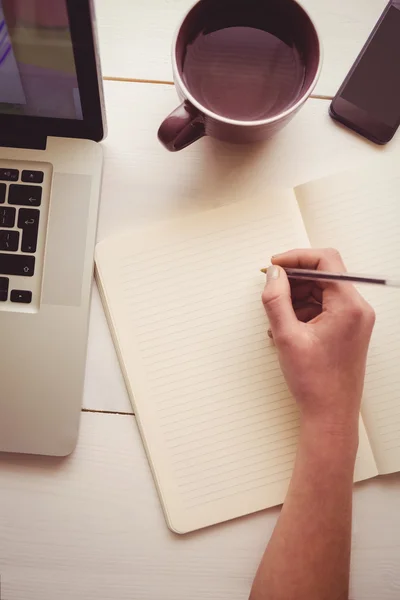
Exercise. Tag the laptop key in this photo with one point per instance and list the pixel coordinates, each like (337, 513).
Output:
(9, 240)
(7, 216)
(28, 221)
(22, 296)
(3, 289)
(25, 195)
(17, 264)
(9, 174)
(32, 176)
(2, 193)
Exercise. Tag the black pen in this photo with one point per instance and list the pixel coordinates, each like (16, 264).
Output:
(311, 275)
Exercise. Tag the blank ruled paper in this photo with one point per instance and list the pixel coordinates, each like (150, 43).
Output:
(184, 302)
(359, 213)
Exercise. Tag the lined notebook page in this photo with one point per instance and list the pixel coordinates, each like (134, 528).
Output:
(217, 421)
(359, 213)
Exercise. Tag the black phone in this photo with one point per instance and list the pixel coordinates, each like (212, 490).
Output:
(368, 101)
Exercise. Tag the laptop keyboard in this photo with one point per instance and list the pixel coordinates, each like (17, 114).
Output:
(21, 196)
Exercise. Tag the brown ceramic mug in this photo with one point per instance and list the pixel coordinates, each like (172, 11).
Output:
(242, 69)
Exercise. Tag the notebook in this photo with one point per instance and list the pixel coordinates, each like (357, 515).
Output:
(183, 300)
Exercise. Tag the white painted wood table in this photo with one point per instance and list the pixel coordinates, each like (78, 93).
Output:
(90, 527)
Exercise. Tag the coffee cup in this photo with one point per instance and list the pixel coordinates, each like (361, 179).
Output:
(242, 69)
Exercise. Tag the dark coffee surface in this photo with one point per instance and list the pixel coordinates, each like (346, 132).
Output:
(244, 72)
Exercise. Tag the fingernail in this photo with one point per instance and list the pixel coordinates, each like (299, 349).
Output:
(272, 273)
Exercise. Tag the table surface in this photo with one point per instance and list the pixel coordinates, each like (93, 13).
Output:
(90, 526)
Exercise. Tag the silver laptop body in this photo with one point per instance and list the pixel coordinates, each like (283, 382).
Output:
(51, 119)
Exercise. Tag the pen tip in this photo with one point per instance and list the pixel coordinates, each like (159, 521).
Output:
(263, 271)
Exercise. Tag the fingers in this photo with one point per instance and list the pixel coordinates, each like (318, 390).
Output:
(342, 310)
(307, 311)
(278, 305)
(302, 290)
(335, 294)
(325, 259)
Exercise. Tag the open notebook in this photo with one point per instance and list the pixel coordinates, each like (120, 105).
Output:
(183, 303)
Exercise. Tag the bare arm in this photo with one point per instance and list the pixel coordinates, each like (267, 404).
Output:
(323, 359)
(308, 557)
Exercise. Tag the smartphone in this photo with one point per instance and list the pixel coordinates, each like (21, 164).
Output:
(368, 100)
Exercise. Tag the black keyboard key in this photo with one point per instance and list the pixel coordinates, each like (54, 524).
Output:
(32, 176)
(2, 193)
(28, 221)
(7, 216)
(9, 174)
(22, 296)
(17, 264)
(25, 195)
(3, 289)
(9, 240)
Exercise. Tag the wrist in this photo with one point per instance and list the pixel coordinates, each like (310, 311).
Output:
(330, 437)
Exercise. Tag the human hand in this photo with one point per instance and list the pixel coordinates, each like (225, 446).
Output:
(322, 332)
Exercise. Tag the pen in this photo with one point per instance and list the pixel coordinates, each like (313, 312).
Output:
(309, 274)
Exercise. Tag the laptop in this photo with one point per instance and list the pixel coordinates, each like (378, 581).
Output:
(51, 116)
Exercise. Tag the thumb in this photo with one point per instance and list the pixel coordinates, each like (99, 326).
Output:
(278, 303)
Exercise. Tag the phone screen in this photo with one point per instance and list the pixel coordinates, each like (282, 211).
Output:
(375, 83)
(373, 86)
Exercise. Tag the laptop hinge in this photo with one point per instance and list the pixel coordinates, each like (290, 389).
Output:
(34, 142)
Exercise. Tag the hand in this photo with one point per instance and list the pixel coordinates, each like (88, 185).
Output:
(322, 332)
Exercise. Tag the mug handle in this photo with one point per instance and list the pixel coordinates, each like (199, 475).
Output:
(182, 127)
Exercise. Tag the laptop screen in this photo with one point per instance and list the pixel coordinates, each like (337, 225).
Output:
(38, 75)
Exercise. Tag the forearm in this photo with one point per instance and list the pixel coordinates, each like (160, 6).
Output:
(308, 557)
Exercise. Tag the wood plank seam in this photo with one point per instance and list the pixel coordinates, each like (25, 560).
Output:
(134, 80)
(161, 82)
(108, 412)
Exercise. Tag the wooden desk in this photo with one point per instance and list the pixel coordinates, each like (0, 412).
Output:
(90, 527)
